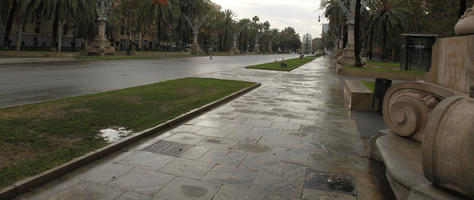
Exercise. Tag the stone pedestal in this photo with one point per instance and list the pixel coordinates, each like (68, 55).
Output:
(234, 49)
(101, 45)
(257, 48)
(348, 56)
(452, 63)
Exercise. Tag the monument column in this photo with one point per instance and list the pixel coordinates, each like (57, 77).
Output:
(101, 45)
(348, 55)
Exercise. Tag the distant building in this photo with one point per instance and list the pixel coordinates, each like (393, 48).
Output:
(307, 46)
(325, 28)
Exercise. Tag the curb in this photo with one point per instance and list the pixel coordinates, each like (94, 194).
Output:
(45, 62)
(34, 181)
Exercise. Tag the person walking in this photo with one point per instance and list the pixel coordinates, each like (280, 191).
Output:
(211, 52)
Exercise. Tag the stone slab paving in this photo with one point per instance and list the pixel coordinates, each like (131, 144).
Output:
(258, 146)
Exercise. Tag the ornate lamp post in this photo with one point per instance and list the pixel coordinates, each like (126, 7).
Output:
(101, 45)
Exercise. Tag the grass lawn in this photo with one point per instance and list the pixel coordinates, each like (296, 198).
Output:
(381, 63)
(369, 84)
(385, 70)
(291, 64)
(37, 137)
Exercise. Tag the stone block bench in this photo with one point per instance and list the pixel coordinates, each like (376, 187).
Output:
(404, 170)
(436, 163)
(357, 96)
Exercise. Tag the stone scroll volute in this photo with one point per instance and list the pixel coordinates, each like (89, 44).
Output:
(407, 107)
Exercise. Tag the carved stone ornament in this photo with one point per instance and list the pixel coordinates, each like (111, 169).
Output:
(465, 25)
(407, 107)
(448, 146)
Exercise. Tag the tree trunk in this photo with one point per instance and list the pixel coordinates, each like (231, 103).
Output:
(462, 7)
(225, 37)
(18, 36)
(220, 42)
(60, 36)
(384, 40)
(370, 43)
(8, 28)
(159, 33)
(55, 30)
(345, 37)
(358, 62)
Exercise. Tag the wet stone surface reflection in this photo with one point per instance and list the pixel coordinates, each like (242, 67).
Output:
(258, 146)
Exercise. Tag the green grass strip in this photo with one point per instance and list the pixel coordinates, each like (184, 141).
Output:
(381, 63)
(37, 137)
(386, 70)
(291, 64)
(369, 84)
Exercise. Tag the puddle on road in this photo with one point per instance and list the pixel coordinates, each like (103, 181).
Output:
(114, 134)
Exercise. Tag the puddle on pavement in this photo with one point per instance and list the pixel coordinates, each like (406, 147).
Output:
(193, 191)
(114, 134)
(253, 148)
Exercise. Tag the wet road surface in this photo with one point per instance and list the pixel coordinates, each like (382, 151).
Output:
(30, 83)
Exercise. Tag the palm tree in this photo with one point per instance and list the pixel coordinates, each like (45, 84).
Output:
(159, 14)
(228, 15)
(67, 11)
(390, 16)
(24, 13)
(8, 11)
(335, 14)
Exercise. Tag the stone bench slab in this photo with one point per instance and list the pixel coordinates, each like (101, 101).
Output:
(357, 96)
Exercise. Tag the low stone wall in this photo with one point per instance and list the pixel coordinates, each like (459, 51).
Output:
(380, 74)
(39, 54)
(357, 96)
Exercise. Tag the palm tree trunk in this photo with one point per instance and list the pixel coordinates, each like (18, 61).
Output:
(60, 36)
(8, 28)
(55, 30)
(18, 36)
(370, 42)
(358, 62)
(384, 40)
(159, 33)
(225, 37)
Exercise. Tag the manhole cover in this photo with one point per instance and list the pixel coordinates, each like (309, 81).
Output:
(324, 181)
(168, 148)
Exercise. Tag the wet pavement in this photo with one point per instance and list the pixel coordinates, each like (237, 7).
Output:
(267, 144)
(29, 83)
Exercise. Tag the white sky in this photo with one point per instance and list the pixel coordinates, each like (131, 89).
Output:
(302, 15)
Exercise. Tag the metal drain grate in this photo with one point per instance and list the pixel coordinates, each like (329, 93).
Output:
(168, 148)
(325, 181)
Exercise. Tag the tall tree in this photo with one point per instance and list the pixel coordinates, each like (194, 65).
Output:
(9, 8)
(357, 41)
(24, 14)
(228, 14)
(67, 11)
(390, 17)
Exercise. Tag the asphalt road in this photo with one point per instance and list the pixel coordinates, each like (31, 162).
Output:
(30, 83)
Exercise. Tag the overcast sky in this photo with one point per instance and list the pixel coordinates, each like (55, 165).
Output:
(299, 14)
